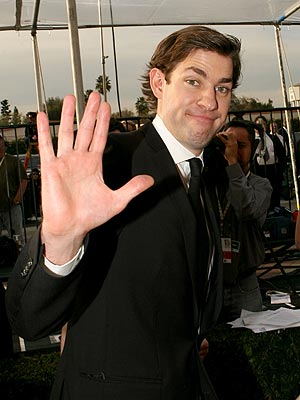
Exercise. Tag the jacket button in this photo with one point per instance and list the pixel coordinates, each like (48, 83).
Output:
(26, 269)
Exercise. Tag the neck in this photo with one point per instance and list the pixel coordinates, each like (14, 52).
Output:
(246, 169)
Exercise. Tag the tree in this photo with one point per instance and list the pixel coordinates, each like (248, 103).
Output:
(141, 107)
(125, 113)
(86, 94)
(5, 112)
(16, 118)
(54, 107)
(99, 84)
(243, 103)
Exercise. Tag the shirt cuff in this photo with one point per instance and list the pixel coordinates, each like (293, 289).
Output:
(65, 269)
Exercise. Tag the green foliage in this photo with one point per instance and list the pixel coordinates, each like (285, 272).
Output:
(125, 113)
(243, 103)
(16, 118)
(99, 84)
(5, 112)
(28, 376)
(273, 358)
(54, 107)
(141, 107)
(86, 94)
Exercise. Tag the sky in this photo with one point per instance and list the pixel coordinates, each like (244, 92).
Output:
(134, 47)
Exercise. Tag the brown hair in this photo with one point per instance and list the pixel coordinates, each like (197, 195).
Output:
(178, 45)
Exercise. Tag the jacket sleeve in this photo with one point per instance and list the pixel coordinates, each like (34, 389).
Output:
(38, 302)
(250, 196)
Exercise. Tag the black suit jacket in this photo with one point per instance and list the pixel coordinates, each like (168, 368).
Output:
(132, 304)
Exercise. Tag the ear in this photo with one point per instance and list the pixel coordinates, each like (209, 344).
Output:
(157, 81)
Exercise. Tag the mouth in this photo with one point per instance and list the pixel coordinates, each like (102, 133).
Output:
(201, 117)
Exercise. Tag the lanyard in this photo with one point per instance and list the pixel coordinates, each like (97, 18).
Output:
(222, 213)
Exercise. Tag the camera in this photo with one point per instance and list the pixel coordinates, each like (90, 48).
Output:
(218, 144)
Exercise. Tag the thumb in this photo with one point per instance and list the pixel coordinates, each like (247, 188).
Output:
(131, 189)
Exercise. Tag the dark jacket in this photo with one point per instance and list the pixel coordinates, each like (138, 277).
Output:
(132, 302)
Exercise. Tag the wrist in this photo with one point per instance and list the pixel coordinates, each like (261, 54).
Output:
(232, 160)
(60, 249)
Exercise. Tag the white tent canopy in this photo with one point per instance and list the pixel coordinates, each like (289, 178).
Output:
(34, 15)
(52, 14)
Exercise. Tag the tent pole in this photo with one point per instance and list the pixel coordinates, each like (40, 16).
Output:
(102, 51)
(76, 59)
(38, 82)
(115, 59)
(287, 115)
(35, 49)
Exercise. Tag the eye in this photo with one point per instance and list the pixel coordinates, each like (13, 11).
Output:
(192, 82)
(222, 90)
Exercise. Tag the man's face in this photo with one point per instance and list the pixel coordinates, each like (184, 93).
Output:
(194, 103)
(274, 128)
(244, 146)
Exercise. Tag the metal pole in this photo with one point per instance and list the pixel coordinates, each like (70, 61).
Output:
(115, 59)
(102, 51)
(287, 116)
(36, 61)
(38, 81)
(76, 59)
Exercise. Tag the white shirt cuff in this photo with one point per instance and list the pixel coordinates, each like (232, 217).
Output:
(65, 269)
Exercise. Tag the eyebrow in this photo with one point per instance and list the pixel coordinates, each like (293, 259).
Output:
(202, 73)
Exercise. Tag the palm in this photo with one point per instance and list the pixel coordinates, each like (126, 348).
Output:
(74, 197)
(73, 190)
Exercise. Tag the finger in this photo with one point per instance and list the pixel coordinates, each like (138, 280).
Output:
(45, 141)
(133, 188)
(88, 122)
(101, 130)
(66, 127)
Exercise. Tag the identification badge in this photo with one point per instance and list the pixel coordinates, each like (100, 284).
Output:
(235, 246)
(226, 250)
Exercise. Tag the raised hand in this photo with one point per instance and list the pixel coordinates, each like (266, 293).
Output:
(231, 146)
(75, 198)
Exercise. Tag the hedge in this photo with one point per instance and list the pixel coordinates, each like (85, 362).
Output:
(249, 366)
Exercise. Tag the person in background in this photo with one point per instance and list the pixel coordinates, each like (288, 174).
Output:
(116, 126)
(118, 258)
(271, 161)
(129, 125)
(243, 199)
(34, 193)
(13, 182)
(31, 134)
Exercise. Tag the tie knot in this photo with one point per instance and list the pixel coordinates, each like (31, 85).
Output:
(196, 166)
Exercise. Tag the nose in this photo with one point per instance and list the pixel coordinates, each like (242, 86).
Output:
(207, 99)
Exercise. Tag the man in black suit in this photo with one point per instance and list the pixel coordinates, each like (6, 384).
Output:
(118, 255)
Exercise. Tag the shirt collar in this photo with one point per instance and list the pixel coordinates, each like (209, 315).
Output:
(178, 152)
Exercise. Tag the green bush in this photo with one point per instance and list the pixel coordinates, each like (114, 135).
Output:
(264, 366)
(28, 376)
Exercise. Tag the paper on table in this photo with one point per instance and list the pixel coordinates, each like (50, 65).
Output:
(268, 320)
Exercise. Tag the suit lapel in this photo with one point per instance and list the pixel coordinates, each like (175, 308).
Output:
(165, 167)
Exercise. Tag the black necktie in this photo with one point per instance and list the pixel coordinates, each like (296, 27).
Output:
(195, 185)
(196, 192)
